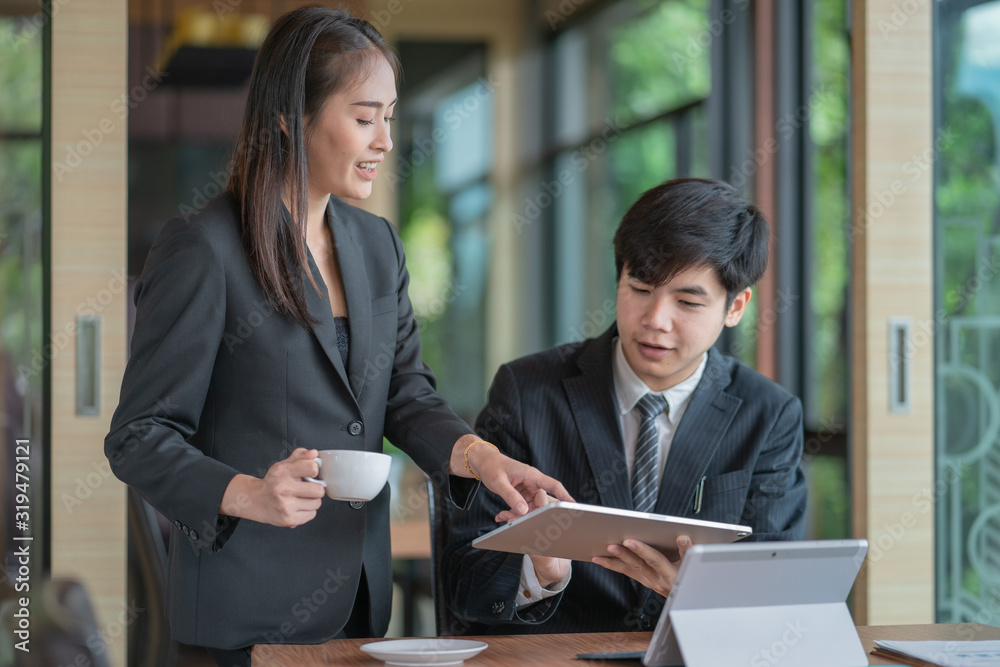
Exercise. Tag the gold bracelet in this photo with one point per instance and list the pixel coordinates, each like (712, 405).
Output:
(477, 442)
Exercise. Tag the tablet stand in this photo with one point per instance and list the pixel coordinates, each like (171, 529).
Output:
(801, 635)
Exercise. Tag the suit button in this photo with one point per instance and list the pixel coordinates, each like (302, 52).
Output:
(355, 428)
(498, 607)
(177, 523)
(194, 534)
(186, 530)
(357, 504)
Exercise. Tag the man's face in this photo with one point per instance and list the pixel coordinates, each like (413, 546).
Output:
(665, 330)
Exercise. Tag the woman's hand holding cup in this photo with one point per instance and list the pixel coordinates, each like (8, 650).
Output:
(282, 498)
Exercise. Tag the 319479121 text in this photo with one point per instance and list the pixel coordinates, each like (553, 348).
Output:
(23, 539)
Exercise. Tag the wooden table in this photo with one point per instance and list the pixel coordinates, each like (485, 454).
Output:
(555, 650)
(504, 650)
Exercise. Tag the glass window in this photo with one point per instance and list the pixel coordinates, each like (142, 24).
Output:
(445, 139)
(23, 357)
(828, 132)
(966, 494)
(825, 394)
(631, 86)
(635, 101)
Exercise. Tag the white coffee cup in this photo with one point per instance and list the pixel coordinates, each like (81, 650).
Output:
(350, 474)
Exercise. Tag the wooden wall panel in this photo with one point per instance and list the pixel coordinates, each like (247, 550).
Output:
(88, 231)
(892, 234)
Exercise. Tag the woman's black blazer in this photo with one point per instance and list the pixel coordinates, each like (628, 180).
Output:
(219, 383)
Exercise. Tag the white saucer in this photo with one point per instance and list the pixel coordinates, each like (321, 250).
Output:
(427, 652)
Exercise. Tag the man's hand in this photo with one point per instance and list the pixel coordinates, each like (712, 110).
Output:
(645, 564)
(548, 570)
(282, 498)
(515, 482)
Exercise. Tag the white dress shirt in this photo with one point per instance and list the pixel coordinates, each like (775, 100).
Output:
(629, 388)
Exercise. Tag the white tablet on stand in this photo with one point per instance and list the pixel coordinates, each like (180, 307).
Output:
(762, 603)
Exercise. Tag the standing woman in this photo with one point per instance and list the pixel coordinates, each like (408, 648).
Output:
(276, 322)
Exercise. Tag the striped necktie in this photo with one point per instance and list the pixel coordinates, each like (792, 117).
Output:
(646, 468)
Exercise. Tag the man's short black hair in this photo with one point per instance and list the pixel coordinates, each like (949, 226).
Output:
(693, 222)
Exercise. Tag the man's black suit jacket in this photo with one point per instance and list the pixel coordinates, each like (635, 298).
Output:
(556, 410)
(219, 383)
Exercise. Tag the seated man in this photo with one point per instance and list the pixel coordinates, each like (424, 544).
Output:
(647, 416)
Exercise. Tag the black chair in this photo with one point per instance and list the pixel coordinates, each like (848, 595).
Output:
(441, 508)
(150, 644)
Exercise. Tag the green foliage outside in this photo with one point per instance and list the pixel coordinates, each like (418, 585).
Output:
(21, 196)
(830, 263)
(425, 232)
(20, 76)
(829, 497)
(660, 60)
(656, 62)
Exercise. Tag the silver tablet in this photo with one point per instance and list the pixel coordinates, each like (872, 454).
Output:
(580, 532)
(756, 603)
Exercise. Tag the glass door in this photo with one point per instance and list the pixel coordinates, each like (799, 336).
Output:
(24, 359)
(966, 493)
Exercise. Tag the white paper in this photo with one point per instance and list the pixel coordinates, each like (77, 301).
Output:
(947, 653)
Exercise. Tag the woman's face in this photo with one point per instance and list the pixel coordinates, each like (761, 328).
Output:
(351, 137)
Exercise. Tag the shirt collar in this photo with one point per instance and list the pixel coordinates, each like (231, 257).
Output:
(629, 388)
